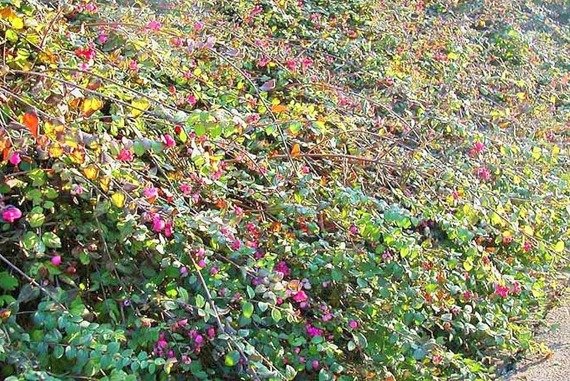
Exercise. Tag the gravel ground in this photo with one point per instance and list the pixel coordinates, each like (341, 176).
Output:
(554, 366)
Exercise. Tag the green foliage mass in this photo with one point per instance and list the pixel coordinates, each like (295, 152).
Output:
(280, 189)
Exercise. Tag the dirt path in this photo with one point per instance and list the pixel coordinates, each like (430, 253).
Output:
(556, 335)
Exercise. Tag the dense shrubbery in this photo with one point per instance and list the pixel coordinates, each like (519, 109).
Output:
(309, 190)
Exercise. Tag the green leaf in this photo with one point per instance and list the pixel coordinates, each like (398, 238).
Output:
(106, 361)
(36, 218)
(200, 301)
(290, 372)
(324, 375)
(276, 314)
(138, 148)
(58, 351)
(12, 36)
(77, 307)
(183, 294)
(231, 358)
(38, 177)
(113, 347)
(27, 293)
(419, 354)
(247, 310)
(215, 130)
(51, 240)
(8, 282)
(31, 242)
(200, 129)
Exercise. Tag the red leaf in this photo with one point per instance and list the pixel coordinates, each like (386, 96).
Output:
(31, 121)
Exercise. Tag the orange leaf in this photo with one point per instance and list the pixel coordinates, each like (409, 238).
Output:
(221, 203)
(5, 148)
(295, 285)
(75, 103)
(278, 108)
(296, 150)
(7, 13)
(275, 227)
(31, 121)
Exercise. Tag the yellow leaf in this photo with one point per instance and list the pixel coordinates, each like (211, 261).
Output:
(118, 199)
(555, 150)
(528, 230)
(55, 151)
(516, 180)
(90, 105)
(105, 181)
(52, 130)
(71, 141)
(77, 156)
(536, 153)
(559, 247)
(139, 107)
(320, 124)
(497, 220)
(468, 264)
(91, 172)
(17, 23)
(452, 56)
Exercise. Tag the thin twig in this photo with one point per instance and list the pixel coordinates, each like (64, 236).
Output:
(31, 280)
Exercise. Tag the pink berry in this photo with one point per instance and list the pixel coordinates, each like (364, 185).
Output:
(10, 214)
(15, 159)
(56, 260)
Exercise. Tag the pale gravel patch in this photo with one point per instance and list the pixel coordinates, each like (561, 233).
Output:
(556, 365)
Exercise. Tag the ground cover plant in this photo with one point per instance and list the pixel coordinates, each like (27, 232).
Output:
(280, 190)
